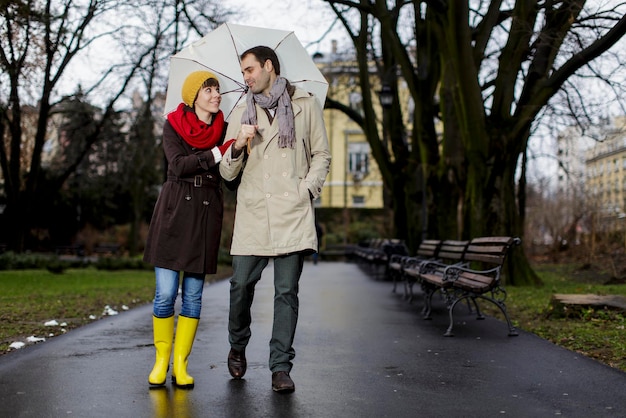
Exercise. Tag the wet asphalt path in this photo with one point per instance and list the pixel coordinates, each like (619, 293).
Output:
(361, 352)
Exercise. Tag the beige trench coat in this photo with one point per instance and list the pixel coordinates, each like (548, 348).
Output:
(275, 213)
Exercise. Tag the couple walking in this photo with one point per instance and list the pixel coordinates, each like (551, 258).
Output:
(278, 153)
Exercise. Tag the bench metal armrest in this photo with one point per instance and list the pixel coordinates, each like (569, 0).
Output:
(452, 273)
(411, 262)
(429, 266)
(398, 258)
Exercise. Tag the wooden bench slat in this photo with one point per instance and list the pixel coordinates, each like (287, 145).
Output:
(492, 249)
(435, 279)
(487, 240)
(485, 258)
(474, 282)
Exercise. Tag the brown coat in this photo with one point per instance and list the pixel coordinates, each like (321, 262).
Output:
(187, 220)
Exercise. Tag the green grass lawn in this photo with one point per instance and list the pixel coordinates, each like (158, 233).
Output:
(29, 298)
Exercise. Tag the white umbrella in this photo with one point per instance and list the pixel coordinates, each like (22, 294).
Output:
(219, 52)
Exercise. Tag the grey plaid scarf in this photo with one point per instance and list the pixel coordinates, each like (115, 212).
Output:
(280, 99)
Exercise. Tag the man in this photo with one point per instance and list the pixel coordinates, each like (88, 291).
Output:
(283, 151)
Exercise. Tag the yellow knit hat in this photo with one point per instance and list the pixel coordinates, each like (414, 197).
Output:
(192, 84)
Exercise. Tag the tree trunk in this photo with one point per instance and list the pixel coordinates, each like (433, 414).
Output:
(518, 271)
(133, 233)
(448, 182)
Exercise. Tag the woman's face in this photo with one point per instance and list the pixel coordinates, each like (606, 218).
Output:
(209, 99)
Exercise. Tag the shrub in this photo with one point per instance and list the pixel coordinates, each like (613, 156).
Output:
(121, 263)
(55, 264)
(13, 261)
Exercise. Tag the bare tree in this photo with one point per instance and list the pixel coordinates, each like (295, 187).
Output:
(38, 44)
(487, 74)
(39, 41)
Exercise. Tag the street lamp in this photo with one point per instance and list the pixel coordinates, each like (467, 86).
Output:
(385, 95)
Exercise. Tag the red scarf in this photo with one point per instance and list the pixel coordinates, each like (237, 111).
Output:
(195, 132)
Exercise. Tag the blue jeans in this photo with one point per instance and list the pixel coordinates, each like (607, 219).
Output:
(167, 282)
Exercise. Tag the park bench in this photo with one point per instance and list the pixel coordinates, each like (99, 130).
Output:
(107, 249)
(377, 252)
(72, 250)
(449, 252)
(398, 263)
(365, 251)
(471, 274)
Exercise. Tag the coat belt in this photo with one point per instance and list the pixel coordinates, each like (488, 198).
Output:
(200, 180)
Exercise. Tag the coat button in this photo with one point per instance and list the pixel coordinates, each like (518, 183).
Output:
(284, 155)
(286, 194)
(266, 156)
(205, 203)
(267, 176)
(284, 174)
(267, 195)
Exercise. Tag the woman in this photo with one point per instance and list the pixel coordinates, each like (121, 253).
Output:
(186, 224)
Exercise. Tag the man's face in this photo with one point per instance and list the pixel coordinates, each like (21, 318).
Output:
(258, 77)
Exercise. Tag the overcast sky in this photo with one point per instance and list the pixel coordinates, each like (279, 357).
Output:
(309, 19)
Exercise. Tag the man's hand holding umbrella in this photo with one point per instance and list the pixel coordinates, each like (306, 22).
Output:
(246, 133)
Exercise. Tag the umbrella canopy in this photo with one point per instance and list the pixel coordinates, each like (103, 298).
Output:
(219, 52)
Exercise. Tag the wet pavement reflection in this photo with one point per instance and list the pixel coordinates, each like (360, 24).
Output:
(361, 351)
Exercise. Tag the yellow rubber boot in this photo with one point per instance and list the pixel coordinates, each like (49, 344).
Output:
(163, 330)
(185, 334)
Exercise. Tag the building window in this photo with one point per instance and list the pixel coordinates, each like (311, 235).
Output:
(358, 158)
(358, 201)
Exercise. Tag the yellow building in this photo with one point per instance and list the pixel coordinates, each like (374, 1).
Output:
(354, 180)
(606, 173)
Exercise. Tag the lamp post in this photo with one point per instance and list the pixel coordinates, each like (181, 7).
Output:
(386, 98)
(385, 95)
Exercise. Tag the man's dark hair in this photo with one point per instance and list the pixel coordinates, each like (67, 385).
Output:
(262, 54)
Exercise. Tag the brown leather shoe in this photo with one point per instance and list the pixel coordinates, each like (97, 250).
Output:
(282, 383)
(237, 364)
